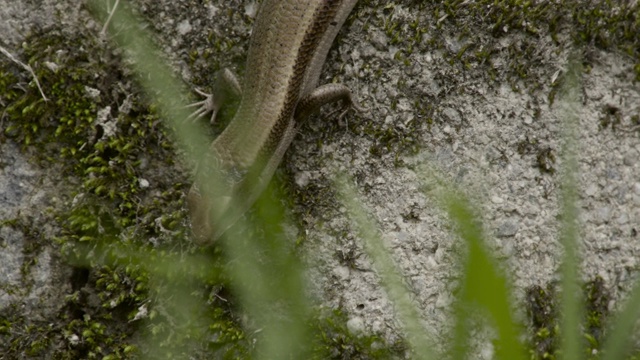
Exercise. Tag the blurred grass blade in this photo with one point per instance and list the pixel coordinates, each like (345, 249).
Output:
(162, 263)
(268, 277)
(572, 308)
(618, 340)
(168, 93)
(408, 313)
(484, 285)
(156, 78)
(175, 279)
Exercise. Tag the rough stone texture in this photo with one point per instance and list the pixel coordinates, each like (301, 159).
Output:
(475, 140)
(32, 279)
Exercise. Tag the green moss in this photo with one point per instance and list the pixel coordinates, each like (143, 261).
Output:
(332, 340)
(97, 127)
(112, 207)
(606, 24)
(542, 311)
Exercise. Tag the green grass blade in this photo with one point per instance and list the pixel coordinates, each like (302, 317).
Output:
(484, 285)
(159, 82)
(618, 341)
(267, 277)
(571, 309)
(409, 316)
(156, 78)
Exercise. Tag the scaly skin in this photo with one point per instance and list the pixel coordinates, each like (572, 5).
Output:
(289, 44)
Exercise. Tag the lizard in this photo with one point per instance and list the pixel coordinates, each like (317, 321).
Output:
(289, 43)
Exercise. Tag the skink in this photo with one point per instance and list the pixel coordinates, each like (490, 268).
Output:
(288, 46)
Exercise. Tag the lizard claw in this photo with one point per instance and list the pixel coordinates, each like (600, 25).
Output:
(204, 106)
(225, 87)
